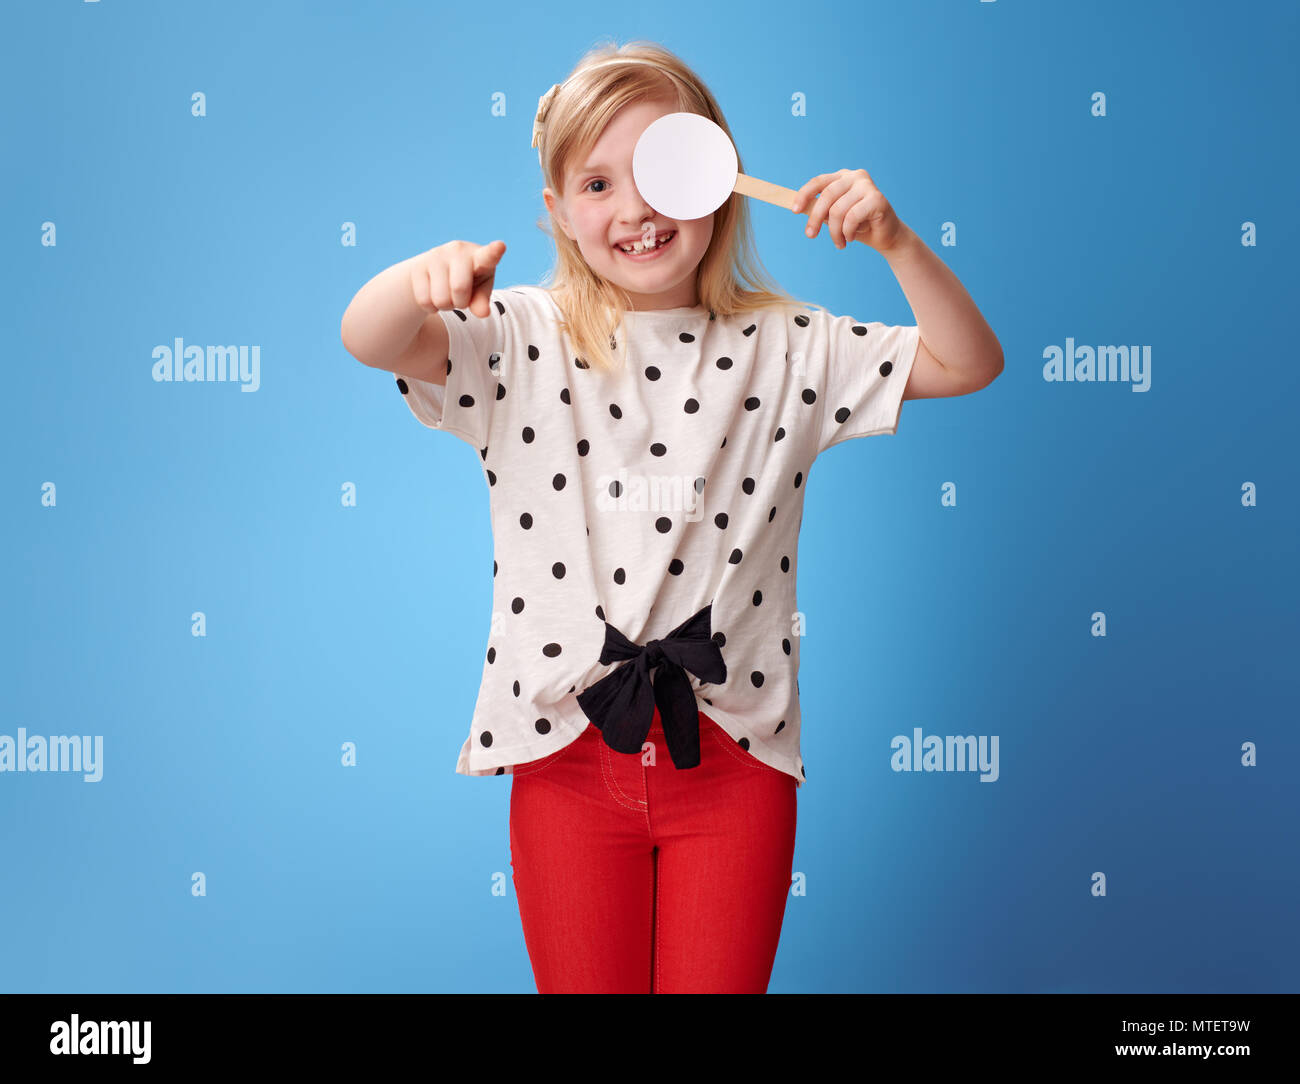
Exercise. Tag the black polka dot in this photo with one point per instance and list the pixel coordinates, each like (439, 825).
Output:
(485, 739)
(528, 434)
(652, 373)
(557, 570)
(613, 409)
(758, 598)
(757, 678)
(723, 363)
(735, 557)
(583, 447)
(516, 688)
(663, 525)
(748, 485)
(691, 406)
(533, 355)
(543, 726)
(721, 519)
(785, 645)
(809, 396)
(557, 482)
(526, 521)
(551, 650)
(686, 337)
(658, 449)
(492, 655)
(752, 403)
(619, 575)
(517, 606)
(675, 567)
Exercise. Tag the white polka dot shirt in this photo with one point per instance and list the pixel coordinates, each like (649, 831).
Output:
(641, 497)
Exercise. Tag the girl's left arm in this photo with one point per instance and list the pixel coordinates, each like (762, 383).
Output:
(953, 331)
(958, 352)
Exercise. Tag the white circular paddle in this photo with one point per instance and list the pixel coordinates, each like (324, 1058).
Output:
(685, 167)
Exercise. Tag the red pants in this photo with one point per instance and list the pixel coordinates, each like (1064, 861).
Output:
(644, 879)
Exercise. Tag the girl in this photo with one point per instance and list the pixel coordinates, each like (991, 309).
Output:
(645, 427)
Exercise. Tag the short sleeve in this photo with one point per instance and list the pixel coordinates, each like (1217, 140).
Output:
(464, 406)
(867, 366)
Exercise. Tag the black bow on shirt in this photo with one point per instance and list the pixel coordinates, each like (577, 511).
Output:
(622, 705)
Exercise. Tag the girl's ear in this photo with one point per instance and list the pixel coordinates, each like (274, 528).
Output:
(553, 205)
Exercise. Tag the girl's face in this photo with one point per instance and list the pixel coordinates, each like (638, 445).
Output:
(602, 207)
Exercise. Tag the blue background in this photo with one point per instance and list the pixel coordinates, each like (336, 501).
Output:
(328, 624)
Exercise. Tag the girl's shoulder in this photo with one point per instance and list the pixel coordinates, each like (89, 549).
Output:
(536, 298)
(525, 310)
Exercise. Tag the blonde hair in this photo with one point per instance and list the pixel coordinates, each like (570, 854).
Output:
(730, 278)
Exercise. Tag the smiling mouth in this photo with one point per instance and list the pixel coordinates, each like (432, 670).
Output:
(662, 243)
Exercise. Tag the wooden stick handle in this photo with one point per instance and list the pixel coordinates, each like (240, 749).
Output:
(766, 191)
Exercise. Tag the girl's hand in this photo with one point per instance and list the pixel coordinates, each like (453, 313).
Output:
(457, 275)
(853, 208)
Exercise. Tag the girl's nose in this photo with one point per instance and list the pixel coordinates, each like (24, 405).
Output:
(637, 210)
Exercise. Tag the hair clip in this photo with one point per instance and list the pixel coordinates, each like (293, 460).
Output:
(543, 107)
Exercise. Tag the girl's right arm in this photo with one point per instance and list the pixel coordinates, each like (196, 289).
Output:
(393, 324)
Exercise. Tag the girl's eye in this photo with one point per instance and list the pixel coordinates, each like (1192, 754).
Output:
(597, 181)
